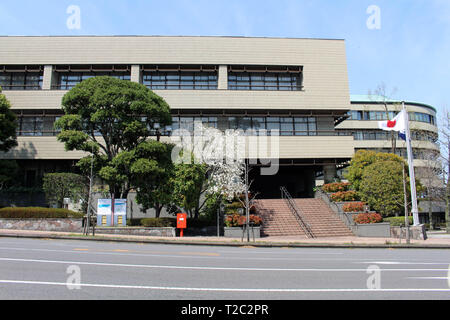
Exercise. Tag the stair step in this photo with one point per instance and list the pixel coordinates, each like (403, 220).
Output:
(278, 220)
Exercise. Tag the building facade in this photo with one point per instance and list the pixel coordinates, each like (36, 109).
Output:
(297, 86)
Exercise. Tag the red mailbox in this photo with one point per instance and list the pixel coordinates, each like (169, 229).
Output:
(181, 222)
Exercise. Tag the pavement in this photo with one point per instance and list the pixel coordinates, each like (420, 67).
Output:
(436, 239)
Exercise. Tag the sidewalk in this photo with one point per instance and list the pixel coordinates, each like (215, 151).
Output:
(440, 240)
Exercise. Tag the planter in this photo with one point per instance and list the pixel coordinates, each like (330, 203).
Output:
(138, 231)
(61, 224)
(236, 232)
(375, 230)
(415, 232)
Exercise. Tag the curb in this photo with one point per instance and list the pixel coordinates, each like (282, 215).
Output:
(230, 244)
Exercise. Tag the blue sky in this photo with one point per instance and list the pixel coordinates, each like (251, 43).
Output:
(409, 53)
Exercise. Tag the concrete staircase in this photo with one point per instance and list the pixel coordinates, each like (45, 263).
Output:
(278, 220)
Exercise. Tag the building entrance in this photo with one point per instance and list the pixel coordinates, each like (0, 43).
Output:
(298, 180)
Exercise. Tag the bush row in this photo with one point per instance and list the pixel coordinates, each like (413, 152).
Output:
(236, 220)
(38, 213)
(336, 187)
(168, 222)
(354, 207)
(397, 221)
(367, 218)
(343, 196)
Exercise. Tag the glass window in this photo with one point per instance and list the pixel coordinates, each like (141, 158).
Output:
(21, 80)
(301, 128)
(287, 126)
(273, 123)
(187, 123)
(180, 80)
(358, 135)
(68, 80)
(264, 81)
(258, 123)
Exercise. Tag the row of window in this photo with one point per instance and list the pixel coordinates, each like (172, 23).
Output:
(287, 126)
(66, 81)
(180, 80)
(265, 81)
(383, 135)
(381, 115)
(36, 126)
(21, 81)
(161, 80)
(420, 154)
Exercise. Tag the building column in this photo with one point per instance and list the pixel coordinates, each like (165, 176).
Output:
(136, 73)
(329, 173)
(222, 83)
(47, 80)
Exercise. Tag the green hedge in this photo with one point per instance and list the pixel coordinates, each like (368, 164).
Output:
(38, 213)
(397, 221)
(168, 222)
(158, 222)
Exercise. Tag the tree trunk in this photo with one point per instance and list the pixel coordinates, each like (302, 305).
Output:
(430, 212)
(196, 213)
(158, 209)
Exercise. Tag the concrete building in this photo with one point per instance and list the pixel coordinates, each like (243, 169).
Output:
(298, 86)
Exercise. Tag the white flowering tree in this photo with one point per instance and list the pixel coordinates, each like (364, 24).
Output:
(224, 156)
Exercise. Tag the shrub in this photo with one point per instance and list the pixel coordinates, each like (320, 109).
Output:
(342, 196)
(397, 221)
(133, 222)
(381, 187)
(336, 187)
(201, 222)
(367, 218)
(158, 222)
(232, 208)
(236, 220)
(354, 207)
(38, 213)
(168, 222)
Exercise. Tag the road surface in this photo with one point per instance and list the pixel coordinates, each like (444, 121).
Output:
(69, 269)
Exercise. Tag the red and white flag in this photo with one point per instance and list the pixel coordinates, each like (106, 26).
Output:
(396, 124)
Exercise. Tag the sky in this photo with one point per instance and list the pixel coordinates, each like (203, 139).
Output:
(403, 44)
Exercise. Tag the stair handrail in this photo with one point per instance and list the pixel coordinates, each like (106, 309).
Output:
(296, 212)
(344, 218)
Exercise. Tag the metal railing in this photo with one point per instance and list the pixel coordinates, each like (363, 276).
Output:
(345, 218)
(296, 212)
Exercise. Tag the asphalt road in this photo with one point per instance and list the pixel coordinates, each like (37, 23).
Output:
(65, 269)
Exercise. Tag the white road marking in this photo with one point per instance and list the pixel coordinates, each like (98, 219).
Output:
(431, 278)
(224, 289)
(300, 258)
(405, 262)
(206, 268)
(168, 255)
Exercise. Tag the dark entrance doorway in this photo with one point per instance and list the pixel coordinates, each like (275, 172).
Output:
(298, 180)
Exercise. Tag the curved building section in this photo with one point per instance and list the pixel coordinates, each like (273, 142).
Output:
(362, 124)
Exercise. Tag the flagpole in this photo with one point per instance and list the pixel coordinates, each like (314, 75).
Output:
(412, 176)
